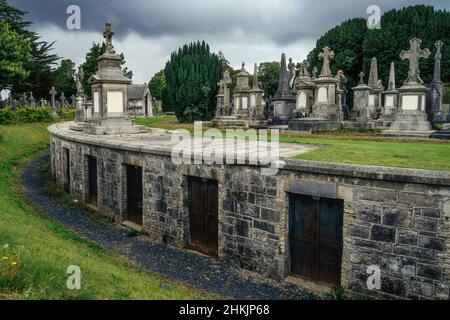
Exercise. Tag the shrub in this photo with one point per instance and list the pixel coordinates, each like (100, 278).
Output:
(447, 95)
(6, 116)
(29, 115)
(66, 114)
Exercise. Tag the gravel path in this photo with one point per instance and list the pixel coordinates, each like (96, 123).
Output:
(218, 277)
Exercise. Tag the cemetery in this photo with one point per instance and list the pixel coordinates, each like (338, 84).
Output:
(322, 185)
(392, 217)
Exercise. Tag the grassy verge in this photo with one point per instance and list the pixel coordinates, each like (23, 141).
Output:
(363, 148)
(38, 251)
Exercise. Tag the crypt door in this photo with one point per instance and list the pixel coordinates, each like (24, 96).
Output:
(203, 215)
(92, 179)
(134, 194)
(315, 238)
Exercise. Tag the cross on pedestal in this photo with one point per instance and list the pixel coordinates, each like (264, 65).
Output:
(108, 34)
(361, 77)
(414, 55)
(53, 93)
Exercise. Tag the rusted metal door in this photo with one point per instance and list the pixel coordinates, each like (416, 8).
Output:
(134, 194)
(203, 194)
(315, 238)
(92, 178)
(67, 170)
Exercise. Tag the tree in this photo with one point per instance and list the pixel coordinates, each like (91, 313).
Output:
(64, 78)
(90, 66)
(15, 53)
(42, 60)
(268, 75)
(157, 85)
(355, 45)
(191, 76)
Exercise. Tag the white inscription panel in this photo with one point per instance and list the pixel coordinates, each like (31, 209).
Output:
(371, 100)
(322, 95)
(252, 101)
(389, 101)
(236, 104)
(301, 101)
(410, 103)
(244, 103)
(115, 102)
(96, 102)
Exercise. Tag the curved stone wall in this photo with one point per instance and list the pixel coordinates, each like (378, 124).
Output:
(394, 219)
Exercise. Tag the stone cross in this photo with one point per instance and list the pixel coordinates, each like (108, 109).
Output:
(361, 77)
(108, 34)
(414, 55)
(32, 101)
(327, 55)
(62, 98)
(53, 95)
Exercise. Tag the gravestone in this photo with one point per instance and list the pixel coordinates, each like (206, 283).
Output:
(63, 100)
(436, 93)
(326, 112)
(284, 98)
(110, 94)
(53, 94)
(305, 92)
(390, 97)
(411, 118)
(32, 101)
(23, 100)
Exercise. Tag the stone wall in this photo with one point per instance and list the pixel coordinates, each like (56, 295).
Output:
(397, 219)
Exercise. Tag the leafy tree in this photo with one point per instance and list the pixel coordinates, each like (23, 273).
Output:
(191, 78)
(64, 78)
(42, 58)
(355, 45)
(15, 53)
(90, 66)
(157, 85)
(268, 75)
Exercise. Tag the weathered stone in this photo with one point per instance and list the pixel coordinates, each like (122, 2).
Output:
(242, 228)
(264, 226)
(407, 237)
(429, 271)
(360, 232)
(409, 266)
(425, 224)
(431, 243)
(383, 234)
(270, 215)
(397, 216)
(428, 212)
(420, 288)
(393, 286)
(378, 195)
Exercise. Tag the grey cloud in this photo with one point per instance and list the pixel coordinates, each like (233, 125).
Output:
(278, 21)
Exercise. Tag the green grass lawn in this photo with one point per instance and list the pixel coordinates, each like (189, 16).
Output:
(354, 147)
(43, 249)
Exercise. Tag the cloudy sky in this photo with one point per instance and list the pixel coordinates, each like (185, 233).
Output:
(147, 31)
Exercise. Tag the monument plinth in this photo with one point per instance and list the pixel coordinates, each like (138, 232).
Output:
(411, 118)
(110, 94)
(284, 98)
(325, 113)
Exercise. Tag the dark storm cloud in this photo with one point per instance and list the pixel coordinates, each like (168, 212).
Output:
(280, 21)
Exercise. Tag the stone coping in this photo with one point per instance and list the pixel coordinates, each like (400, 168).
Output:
(416, 176)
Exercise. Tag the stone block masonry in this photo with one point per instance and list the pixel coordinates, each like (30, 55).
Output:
(395, 219)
